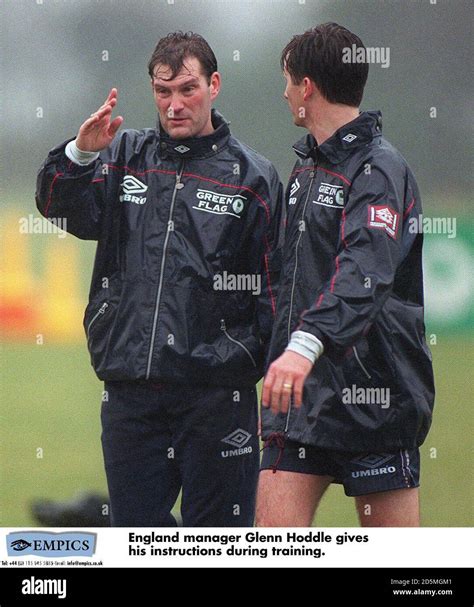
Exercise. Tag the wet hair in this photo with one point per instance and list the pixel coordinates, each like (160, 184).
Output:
(318, 54)
(173, 49)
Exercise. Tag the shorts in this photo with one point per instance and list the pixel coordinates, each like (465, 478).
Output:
(359, 473)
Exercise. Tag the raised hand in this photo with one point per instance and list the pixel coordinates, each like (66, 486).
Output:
(97, 132)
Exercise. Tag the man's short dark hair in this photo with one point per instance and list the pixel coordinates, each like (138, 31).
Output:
(174, 48)
(318, 54)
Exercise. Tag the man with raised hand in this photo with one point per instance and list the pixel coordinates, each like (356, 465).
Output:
(181, 306)
(349, 392)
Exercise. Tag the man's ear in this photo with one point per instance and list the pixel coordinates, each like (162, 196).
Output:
(309, 88)
(215, 85)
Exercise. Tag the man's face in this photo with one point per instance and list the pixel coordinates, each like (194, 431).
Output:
(294, 95)
(184, 103)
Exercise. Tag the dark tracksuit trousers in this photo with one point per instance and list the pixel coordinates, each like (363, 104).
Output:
(159, 438)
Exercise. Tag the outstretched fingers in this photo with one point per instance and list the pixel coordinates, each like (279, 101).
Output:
(111, 95)
(105, 108)
(114, 126)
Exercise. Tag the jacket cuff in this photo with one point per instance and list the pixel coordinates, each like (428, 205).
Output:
(79, 156)
(306, 344)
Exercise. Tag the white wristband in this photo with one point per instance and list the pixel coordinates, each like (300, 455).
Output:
(78, 156)
(305, 344)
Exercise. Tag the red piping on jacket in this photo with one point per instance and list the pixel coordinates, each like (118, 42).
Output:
(227, 185)
(410, 206)
(320, 168)
(51, 193)
(333, 279)
(265, 206)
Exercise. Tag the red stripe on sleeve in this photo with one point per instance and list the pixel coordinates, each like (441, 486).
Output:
(51, 193)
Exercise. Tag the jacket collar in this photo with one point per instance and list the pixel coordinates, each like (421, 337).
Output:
(195, 147)
(339, 146)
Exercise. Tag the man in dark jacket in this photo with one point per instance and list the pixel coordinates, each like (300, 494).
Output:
(182, 299)
(349, 393)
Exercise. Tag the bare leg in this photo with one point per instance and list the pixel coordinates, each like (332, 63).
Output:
(288, 499)
(397, 508)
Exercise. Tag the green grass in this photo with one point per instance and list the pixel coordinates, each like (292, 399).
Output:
(51, 401)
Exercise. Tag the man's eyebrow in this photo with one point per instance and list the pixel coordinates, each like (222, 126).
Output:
(165, 83)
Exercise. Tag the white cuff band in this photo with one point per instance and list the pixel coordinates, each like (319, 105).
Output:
(79, 156)
(306, 344)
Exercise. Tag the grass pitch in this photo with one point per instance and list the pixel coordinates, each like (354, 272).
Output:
(50, 435)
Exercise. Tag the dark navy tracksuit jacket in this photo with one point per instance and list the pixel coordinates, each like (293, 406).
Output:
(352, 277)
(179, 345)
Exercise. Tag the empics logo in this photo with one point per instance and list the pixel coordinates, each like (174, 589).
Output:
(20, 545)
(211, 202)
(131, 186)
(330, 195)
(238, 438)
(71, 543)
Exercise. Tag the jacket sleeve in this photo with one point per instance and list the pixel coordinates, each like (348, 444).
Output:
(270, 258)
(369, 252)
(74, 193)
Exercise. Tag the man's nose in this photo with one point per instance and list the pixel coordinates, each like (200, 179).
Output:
(176, 106)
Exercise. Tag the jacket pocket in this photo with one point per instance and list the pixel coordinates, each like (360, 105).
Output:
(359, 362)
(236, 341)
(93, 321)
(369, 363)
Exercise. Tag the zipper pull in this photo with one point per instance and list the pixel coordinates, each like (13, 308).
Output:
(223, 327)
(179, 185)
(103, 307)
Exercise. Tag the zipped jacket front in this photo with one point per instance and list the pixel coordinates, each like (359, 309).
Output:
(352, 277)
(185, 277)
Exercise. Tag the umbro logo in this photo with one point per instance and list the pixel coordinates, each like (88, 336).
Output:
(374, 464)
(373, 460)
(131, 186)
(182, 149)
(238, 438)
(349, 137)
(294, 188)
